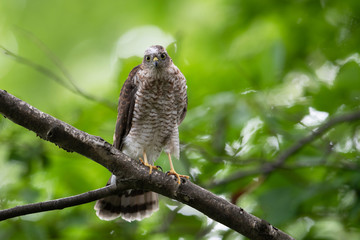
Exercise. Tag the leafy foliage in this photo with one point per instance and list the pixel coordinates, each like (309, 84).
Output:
(261, 75)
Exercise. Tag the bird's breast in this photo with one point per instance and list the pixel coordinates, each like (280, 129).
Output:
(154, 117)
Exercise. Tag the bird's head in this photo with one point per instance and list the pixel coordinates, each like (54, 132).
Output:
(156, 58)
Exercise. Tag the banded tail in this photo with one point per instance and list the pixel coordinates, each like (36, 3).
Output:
(130, 205)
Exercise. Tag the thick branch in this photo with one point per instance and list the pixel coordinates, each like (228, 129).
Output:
(133, 174)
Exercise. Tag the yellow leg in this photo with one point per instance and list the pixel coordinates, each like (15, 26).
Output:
(172, 170)
(146, 163)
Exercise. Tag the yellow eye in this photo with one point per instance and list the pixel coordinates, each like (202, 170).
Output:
(163, 56)
(147, 58)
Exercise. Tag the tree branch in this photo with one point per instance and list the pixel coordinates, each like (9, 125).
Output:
(70, 85)
(131, 173)
(296, 147)
(58, 203)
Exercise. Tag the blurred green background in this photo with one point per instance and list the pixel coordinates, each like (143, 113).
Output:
(261, 75)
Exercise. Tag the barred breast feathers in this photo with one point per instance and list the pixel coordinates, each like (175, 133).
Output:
(158, 106)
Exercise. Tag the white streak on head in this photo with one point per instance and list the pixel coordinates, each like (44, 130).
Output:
(155, 49)
(151, 50)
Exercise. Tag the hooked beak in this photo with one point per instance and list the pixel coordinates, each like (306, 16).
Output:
(156, 61)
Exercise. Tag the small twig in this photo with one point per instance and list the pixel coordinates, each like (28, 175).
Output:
(37, 67)
(282, 157)
(70, 86)
(58, 203)
(349, 117)
(50, 55)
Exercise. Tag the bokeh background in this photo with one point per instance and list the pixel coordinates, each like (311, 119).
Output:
(261, 75)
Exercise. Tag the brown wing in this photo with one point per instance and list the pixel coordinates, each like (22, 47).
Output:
(183, 113)
(183, 96)
(125, 108)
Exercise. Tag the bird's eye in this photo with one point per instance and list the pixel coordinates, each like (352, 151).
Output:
(147, 58)
(163, 56)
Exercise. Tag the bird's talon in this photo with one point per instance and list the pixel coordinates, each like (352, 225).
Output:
(145, 163)
(159, 167)
(171, 172)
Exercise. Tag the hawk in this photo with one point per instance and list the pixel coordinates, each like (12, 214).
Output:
(152, 104)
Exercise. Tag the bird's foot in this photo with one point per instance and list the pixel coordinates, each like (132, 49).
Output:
(145, 163)
(179, 176)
